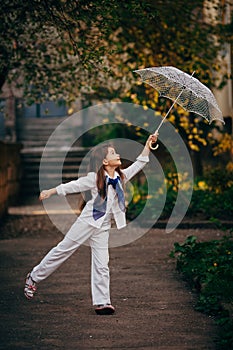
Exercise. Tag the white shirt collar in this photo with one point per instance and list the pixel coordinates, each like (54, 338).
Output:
(115, 175)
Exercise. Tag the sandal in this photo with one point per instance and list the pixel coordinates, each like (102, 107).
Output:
(30, 287)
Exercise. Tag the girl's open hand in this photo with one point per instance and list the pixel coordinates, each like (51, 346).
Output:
(45, 194)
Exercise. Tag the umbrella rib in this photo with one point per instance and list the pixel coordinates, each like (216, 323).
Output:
(162, 121)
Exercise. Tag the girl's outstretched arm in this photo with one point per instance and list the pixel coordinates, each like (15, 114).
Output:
(47, 193)
(146, 149)
(141, 161)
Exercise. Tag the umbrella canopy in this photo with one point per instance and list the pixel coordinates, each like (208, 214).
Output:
(183, 89)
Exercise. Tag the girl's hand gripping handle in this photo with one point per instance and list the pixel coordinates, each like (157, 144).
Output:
(153, 140)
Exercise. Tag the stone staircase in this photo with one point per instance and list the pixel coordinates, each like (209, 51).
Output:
(50, 160)
(35, 132)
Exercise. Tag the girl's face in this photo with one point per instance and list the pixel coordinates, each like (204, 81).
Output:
(112, 158)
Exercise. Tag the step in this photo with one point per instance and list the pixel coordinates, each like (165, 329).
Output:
(50, 168)
(40, 158)
(31, 160)
(59, 148)
(35, 177)
(37, 132)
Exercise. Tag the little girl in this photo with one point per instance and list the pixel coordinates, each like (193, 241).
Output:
(106, 182)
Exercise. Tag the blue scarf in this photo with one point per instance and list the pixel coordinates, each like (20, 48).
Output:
(100, 204)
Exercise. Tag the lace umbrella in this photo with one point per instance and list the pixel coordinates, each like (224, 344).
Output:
(182, 89)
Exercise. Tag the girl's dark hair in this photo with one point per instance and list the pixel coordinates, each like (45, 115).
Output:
(98, 154)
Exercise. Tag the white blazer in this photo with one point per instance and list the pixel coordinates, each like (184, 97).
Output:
(88, 182)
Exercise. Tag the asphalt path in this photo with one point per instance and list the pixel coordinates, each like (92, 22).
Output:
(154, 306)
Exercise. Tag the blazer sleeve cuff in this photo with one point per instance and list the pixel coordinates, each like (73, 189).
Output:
(60, 190)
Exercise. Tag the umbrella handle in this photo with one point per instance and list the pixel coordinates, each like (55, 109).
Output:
(152, 143)
(151, 147)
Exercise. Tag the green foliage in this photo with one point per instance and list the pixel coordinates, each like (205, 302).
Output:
(210, 204)
(219, 180)
(189, 38)
(55, 48)
(140, 196)
(110, 131)
(64, 48)
(212, 195)
(208, 268)
(210, 198)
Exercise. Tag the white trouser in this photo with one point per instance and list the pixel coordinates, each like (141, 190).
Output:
(98, 241)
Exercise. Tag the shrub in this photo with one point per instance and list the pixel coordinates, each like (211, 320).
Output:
(208, 268)
(211, 204)
(212, 195)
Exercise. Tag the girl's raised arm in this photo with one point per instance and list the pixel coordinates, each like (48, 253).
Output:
(141, 161)
(152, 138)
